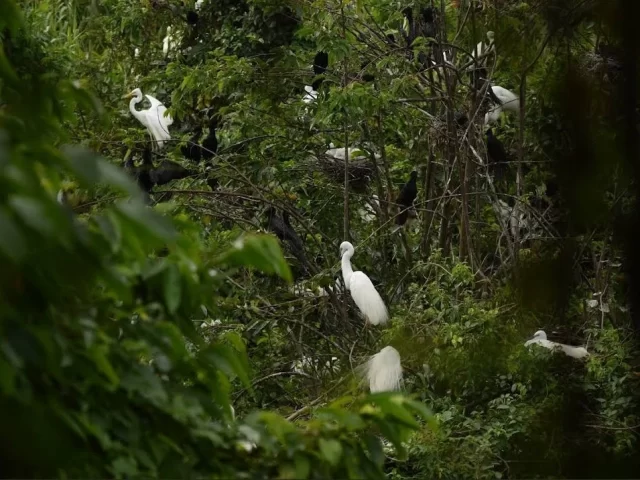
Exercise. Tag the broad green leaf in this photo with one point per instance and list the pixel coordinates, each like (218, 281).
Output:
(331, 450)
(259, 251)
(172, 287)
(12, 242)
(302, 465)
(155, 225)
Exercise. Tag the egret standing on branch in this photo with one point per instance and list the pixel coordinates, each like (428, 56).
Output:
(154, 118)
(540, 338)
(384, 371)
(364, 294)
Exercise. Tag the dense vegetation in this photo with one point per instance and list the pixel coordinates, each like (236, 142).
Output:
(170, 334)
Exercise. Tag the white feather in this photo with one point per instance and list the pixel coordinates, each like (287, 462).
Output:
(384, 371)
(540, 338)
(493, 115)
(364, 294)
(311, 94)
(510, 100)
(154, 118)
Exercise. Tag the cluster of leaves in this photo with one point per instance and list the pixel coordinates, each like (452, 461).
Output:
(107, 304)
(102, 371)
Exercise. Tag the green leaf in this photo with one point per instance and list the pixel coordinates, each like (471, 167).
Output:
(99, 356)
(302, 465)
(91, 169)
(259, 251)
(172, 288)
(142, 216)
(331, 450)
(227, 359)
(12, 242)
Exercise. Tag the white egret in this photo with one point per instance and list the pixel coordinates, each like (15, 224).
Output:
(364, 294)
(540, 338)
(384, 371)
(311, 94)
(154, 118)
(509, 102)
(169, 42)
(483, 49)
(508, 99)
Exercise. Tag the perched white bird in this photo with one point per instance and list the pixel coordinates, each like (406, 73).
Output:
(383, 371)
(540, 338)
(493, 115)
(154, 118)
(483, 49)
(169, 42)
(363, 292)
(311, 94)
(199, 4)
(510, 101)
(368, 213)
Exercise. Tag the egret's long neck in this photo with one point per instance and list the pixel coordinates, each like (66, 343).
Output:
(132, 105)
(347, 271)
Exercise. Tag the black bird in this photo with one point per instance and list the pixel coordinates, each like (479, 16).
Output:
(498, 159)
(285, 232)
(192, 149)
(147, 175)
(141, 174)
(406, 198)
(210, 142)
(429, 26)
(192, 17)
(320, 64)
(169, 171)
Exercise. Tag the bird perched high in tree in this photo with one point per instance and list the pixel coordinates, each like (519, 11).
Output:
(320, 64)
(155, 118)
(383, 371)
(147, 175)
(283, 229)
(364, 294)
(406, 198)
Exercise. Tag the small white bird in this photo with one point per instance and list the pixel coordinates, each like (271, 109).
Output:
(510, 101)
(540, 338)
(199, 4)
(311, 94)
(384, 371)
(169, 42)
(154, 118)
(364, 294)
(483, 49)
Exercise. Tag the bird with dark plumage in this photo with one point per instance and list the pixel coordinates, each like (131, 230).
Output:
(498, 160)
(283, 229)
(406, 198)
(192, 149)
(192, 18)
(210, 142)
(320, 64)
(147, 175)
(207, 149)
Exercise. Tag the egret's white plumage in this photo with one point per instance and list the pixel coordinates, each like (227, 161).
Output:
(540, 338)
(311, 94)
(509, 100)
(493, 115)
(486, 48)
(384, 371)
(364, 294)
(168, 42)
(154, 118)
(199, 4)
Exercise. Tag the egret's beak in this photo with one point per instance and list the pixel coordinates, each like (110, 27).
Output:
(127, 96)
